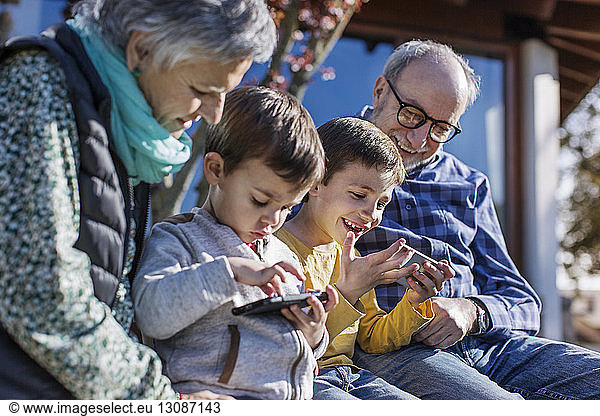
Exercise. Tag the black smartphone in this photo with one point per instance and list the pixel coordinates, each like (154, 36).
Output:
(275, 303)
(418, 258)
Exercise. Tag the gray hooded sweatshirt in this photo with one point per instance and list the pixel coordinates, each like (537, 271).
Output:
(184, 292)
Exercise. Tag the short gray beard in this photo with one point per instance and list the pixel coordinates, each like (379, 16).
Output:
(418, 165)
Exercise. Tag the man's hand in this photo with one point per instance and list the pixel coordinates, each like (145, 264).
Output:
(312, 324)
(257, 273)
(428, 284)
(454, 318)
(361, 274)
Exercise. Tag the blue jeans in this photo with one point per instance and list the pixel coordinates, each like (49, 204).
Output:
(343, 383)
(480, 368)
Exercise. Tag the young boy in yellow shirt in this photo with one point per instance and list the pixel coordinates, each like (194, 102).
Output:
(362, 167)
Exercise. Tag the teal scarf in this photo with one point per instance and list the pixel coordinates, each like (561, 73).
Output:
(147, 149)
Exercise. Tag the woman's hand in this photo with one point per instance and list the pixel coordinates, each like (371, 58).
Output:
(312, 324)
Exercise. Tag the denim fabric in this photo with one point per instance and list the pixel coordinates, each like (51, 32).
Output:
(343, 383)
(479, 368)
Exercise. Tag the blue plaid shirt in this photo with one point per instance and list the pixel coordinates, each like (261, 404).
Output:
(445, 210)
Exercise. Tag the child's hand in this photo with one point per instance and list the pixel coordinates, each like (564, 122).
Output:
(361, 274)
(256, 273)
(312, 324)
(423, 286)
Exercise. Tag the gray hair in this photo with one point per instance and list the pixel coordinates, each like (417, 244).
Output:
(417, 49)
(179, 30)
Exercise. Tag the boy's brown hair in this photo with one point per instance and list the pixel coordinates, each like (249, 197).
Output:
(270, 125)
(350, 139)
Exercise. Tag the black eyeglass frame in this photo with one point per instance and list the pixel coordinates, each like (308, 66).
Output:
(403, 104)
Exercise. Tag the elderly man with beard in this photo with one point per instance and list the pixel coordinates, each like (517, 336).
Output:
(482, 342)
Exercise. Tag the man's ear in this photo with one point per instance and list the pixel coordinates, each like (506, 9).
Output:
(214, 167)
(134, 51)
(378, 91)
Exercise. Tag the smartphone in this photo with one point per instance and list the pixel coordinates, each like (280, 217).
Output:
(418, 258)
(275, 303)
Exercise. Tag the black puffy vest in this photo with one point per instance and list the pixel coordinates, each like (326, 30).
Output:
(105, 202)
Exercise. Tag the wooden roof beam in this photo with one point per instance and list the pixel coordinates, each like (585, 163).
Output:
(570, 95)
(539, 9)
(566, 72)
(578, 63)
(575, 86)
(593, 2)
(432, 16)
(580, 18)
(564, 32)
(459, 3)
(575, 48)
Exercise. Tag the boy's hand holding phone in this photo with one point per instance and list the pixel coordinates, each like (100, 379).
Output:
(312, 324)
(361, 274)
(428, 280)
(257, 273)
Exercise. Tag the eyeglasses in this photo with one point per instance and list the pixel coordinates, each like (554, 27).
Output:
(413, 117)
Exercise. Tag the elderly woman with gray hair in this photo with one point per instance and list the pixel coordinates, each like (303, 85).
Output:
(91, 113)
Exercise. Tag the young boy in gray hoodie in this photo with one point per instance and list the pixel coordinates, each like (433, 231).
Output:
(260, 161)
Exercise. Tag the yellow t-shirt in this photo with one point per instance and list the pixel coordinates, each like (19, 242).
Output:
(376, 331)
